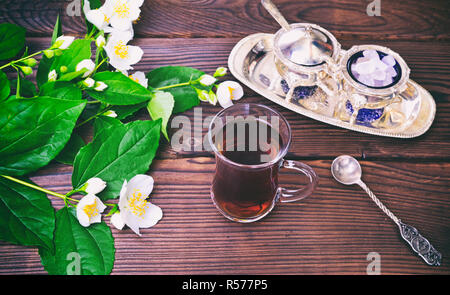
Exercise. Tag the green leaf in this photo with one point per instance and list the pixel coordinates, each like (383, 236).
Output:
(5, 89)
(73, 146)
(61, 89)
(121, 89)
(79, 50)
(57, 30)
(26, 215)
(93, 245)
(33, 131)
(103, 122)
(117, 153)
(72, 75)
(12, 40)
(161, 106)
(185, 96)
(27, 88)
(43, 70)
(124, 112)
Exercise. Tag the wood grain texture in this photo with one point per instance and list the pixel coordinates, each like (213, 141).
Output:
(347, 19)
(329, 233)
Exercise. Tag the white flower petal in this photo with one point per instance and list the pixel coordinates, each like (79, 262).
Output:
(152, 215)
(123, 196)
(122, 24)
(117, 221)
(97, 18)
(131, 221)
(137, 3)
(228, 91)
(140, 78)
(96, 219)
(82, 217)
(135, 54)
(144, 183)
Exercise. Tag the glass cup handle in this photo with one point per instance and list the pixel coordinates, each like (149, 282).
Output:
(291, 195)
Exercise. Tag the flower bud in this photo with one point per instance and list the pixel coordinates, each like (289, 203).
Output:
(63, 42)
(212, 97)
(31, 62)
(89, 82)
(207, 80)
(52, 76)
(26, 70)
(49, 53)
(63, 69)
(202, 95)
(220, 72)
(100, 41)
(110, 113)
(100, 86)
(94, 185)
(87, 64)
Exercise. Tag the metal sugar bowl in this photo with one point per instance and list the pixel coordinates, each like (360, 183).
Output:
(390, 102)
(305, 56)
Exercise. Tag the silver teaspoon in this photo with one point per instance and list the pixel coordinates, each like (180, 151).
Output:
(346, 170)
(276, 14)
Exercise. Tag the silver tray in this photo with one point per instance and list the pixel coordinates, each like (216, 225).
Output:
(252, 62)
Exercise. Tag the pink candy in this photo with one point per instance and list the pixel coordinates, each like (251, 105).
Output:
(372, 71)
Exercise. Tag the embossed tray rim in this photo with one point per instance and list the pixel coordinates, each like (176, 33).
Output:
(422, 123)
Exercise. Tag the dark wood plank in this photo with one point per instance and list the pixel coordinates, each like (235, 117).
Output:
(399, 20)
(429, 63)
(329, 233)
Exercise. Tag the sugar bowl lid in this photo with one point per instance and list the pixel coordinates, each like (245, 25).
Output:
(305, 44)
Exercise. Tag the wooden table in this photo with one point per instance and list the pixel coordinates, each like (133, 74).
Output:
(331, 232)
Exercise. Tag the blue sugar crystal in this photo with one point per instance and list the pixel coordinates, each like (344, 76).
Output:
(365, 116)
(300, 92)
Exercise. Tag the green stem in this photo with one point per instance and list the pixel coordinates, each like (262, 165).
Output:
(18, 81)
(21, 59)
(99, 64)
(173, 86)
(94, 29)
(38, 188)
(94, 116)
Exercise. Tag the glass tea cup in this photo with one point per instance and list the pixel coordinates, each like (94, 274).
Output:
(249, 142)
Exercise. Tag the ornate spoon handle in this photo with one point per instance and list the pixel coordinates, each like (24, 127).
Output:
(420, 244)
(410, 234)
